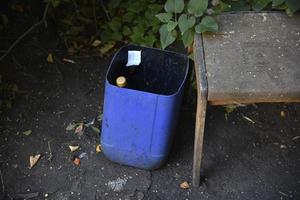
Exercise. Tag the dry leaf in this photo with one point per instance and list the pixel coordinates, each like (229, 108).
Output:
(76, 161)
(50, 58)
(98, 148)
(282, 114)
(96, 43)
(79, 128)
(28, 132)
(73, 148)
(71, 127)
(184, 185)
(33, 160)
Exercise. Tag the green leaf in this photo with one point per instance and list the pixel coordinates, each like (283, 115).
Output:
(239, 5)
(155, 7)
(171, 25)
(188, 37)
(128, 17)
(55, 3)
(221, 7)
(114, 4)
(185, 22)
(197, 7)
(27, 133)
(95, 129)
(149, 40)
(174, 6)
(207, 24)
(117, 36)
(137, 35)
(166, 37)
(106, 35)
(136, 6)
(258, 5)
(277, 2)
(126, 31)
(115, 25)
(164, 17)
(293, 5)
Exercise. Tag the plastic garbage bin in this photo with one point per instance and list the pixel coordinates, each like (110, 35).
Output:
(139, 121)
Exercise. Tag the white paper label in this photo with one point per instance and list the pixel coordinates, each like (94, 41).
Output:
(134, 58)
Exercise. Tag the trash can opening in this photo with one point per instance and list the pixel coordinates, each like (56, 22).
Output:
(160, 72)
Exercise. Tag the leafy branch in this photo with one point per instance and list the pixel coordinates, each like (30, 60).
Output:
(182, 19)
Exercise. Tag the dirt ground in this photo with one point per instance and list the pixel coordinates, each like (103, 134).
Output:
(242, 159)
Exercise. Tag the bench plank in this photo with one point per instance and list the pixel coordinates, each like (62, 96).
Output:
(254, 58)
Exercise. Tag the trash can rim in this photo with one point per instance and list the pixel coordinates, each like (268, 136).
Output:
(157, 94)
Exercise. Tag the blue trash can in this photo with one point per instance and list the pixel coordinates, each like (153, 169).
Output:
(138, 123)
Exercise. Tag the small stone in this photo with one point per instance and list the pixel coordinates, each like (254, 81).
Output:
(46, 195)
(282, 146)
(15, 166)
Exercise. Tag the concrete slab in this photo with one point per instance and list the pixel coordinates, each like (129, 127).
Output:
(253, 58)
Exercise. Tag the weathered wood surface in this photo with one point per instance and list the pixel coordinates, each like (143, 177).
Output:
(201, 110)
(255, 57)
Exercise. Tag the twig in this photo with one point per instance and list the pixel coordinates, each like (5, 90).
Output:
(283, 193)
(105, 10)
(2, 182)
(26, 32)
(50, 151)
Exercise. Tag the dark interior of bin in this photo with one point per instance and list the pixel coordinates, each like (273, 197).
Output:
(160, 72)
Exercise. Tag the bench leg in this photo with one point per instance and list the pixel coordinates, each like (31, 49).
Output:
(198, 142)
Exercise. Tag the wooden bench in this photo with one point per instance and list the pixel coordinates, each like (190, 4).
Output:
(255, 57)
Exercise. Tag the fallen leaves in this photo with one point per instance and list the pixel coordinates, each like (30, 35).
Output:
(71, 126)
(73, 148)
(27, 133)
(229, 109)
(98, 148)
(96, 43)
(184, 185)
(50, 58)
(79, 129)
(33, 160)
(76, 161)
